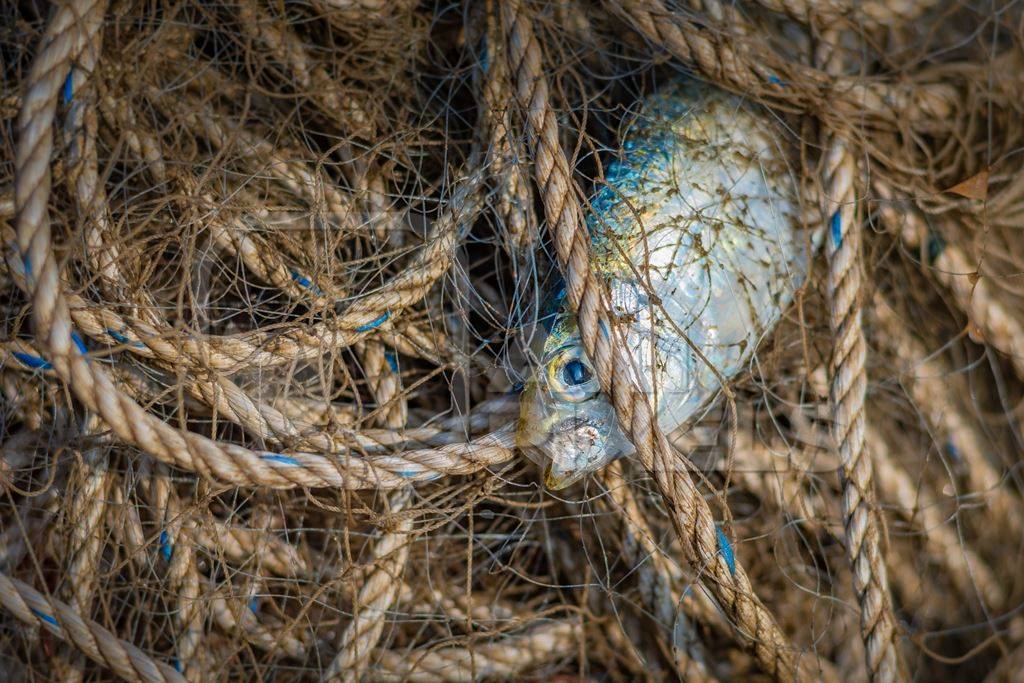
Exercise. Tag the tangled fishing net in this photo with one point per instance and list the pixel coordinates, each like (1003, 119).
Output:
(268, 268)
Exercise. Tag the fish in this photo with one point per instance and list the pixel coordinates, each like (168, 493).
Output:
(698, 235)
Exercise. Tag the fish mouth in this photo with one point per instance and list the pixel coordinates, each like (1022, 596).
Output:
(558, 458)
(555, 477)
(555, 480)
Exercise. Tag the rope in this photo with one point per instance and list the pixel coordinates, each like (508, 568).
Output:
(690, 514)
(379, 591)
(233, 616)
(655, 578)
(504, 155)
(92, 385)
(502, 659)
(96, 642)
(926, 382)
(847, 392)
(176, 530)
(242, 545)
(386, 384)
(1000, 326)
(86, 544)
(267, 219)
(871, 13)
(754, 69)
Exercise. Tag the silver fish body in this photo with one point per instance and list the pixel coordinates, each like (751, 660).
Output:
(696, 234)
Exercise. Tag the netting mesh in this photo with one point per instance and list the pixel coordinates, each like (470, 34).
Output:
(298, 253)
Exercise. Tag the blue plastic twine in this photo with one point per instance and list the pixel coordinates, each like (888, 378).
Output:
(165, 546)
(374, 324)
(282, 459)
(32, 361)
(45, 617)
(837, 229)
(725, 548)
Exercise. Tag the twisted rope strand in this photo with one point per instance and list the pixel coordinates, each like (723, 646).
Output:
(655, 578)
(92, 385)
(378, 593)
(873, 14)
(242, 545)
(86, 542)
(690, 513)
(1001, 326)
(970, 575)
(386, 384)
(98, 644)
(505, 156)
(848, 391)
(925, 382)
(502, 659)
(260, 420)
(182, 576)
(234, 617)
(451, 456)
(753, 68)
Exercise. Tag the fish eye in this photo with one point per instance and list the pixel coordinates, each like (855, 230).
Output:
(575, 372)
(570, 377)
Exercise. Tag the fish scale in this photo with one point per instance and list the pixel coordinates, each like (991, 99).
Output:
(696, 234)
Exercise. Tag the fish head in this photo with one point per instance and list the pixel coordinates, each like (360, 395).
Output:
(566, 424)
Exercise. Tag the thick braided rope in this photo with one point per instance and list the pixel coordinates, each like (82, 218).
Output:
(655, 577)
(240, 545)
(925, 382)
(299, 422)
(871, 13)
(89, 505)
(970, 575)
(451, 455)
(82, 175)
(848, 391)
(98, 644)
(378, 593)
(90, 498)
(504, 153)
(385, 383)
(690, 513)
(501, 659)
(234, 617)
(1001, 326)
(260, 420)
(258, 349)
(222, 353)
(86, 543)
(182, 573)
(92, 385)
(755, 69)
